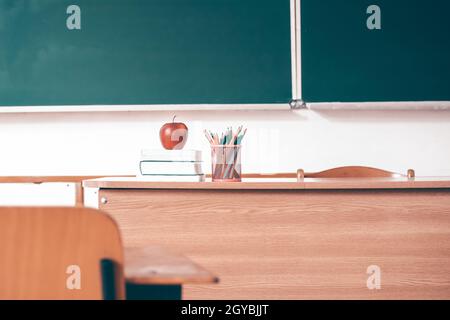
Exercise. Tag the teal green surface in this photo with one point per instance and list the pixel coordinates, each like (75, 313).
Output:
(145, 52)
(407, 60)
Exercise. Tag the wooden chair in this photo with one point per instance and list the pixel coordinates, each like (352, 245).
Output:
(353, 172)
(340, 172)
(77, 180)
(44, 250)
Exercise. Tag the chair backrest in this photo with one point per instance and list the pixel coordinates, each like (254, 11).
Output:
(58, 253)
(353, 172)
(340, 172)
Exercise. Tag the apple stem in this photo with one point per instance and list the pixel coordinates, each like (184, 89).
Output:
(173, 120)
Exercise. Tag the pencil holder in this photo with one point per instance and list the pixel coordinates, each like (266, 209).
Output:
(226, 163)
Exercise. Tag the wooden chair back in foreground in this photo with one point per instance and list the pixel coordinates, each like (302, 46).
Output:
(59, 253)
(353, 172)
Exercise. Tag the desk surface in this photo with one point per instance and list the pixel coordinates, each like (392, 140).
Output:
(275, 184)
(155, 265)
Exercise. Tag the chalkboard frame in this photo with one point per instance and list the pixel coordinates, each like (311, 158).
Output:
(292, 104)
(150, 107)
(295, 103)
(353, 106)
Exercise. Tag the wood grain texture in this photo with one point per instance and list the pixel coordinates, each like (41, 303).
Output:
(37, 245)
(156, 265)
(297, 244)
(275, 184)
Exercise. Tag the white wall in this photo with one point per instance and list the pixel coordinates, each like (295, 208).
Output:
(109, 143)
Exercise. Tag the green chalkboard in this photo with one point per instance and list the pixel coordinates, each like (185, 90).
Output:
(408, 59)
(125, 52)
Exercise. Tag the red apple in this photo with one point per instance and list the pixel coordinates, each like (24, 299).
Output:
(173, 135)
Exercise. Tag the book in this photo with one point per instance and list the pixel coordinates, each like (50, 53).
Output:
(173, 178)
(170, 168)
(171, 155)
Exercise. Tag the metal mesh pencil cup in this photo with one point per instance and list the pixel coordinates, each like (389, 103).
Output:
(226, 163)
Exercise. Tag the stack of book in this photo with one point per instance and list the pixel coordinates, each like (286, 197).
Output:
(171, 165)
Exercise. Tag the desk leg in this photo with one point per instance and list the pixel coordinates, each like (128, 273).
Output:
(153, 292)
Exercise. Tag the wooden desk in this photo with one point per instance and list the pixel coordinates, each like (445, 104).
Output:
(289, 240)
(156, 273)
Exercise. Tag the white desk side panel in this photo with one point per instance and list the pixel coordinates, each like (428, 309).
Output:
(44, 194)
(91, 197)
